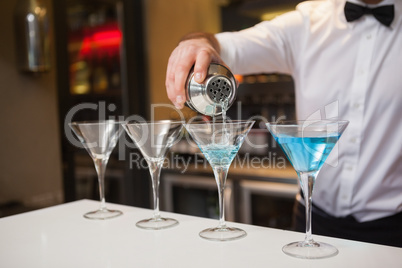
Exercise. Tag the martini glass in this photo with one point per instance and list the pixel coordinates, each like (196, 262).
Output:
(307, 145)
(99, 138)
(154, 139)
(220, 141)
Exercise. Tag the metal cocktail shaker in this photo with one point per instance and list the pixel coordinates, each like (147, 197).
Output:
(219, 86)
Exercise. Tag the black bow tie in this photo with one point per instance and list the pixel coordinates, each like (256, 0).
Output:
(384, 14)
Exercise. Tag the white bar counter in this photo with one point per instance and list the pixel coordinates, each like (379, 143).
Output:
(60, 236)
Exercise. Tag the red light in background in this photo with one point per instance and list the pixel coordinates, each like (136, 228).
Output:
(103, 40)
(107, 38)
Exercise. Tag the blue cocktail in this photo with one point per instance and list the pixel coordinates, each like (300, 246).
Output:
(307, 145)
(219, 155)
(220, 142)
(307, 160)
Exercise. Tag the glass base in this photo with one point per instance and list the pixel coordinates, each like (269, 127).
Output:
(103, 214)
(157, 224)
(312, 250)
(223, 233)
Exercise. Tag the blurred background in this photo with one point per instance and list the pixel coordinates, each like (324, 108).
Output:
(113, 54)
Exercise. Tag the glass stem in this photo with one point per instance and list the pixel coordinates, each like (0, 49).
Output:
(155, 170)
(100, 166)
(220, 177)
(307, 180)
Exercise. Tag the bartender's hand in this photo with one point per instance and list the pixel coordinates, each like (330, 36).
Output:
(198, 49)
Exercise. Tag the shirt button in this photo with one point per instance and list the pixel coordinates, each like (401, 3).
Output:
(356, 105)
(368, 36)
(349, 168)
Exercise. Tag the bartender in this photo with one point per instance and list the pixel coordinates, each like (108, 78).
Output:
(345, 58)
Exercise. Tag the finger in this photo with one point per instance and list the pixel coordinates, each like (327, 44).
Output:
(170, 78)
(176, 98)
(182, 70)
(201, 66)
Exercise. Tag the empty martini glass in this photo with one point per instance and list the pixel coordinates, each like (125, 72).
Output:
(99, 138)
(154, 139)
(219, 142)
(307, 145)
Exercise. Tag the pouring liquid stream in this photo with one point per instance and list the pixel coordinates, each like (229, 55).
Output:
(223, 104)
(220, 152)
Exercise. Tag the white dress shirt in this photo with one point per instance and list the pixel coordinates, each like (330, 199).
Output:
(351, 71)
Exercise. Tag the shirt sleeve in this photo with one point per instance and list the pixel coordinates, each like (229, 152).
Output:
(270, 46)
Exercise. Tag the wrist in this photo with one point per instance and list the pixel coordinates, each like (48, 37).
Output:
(208, 37)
